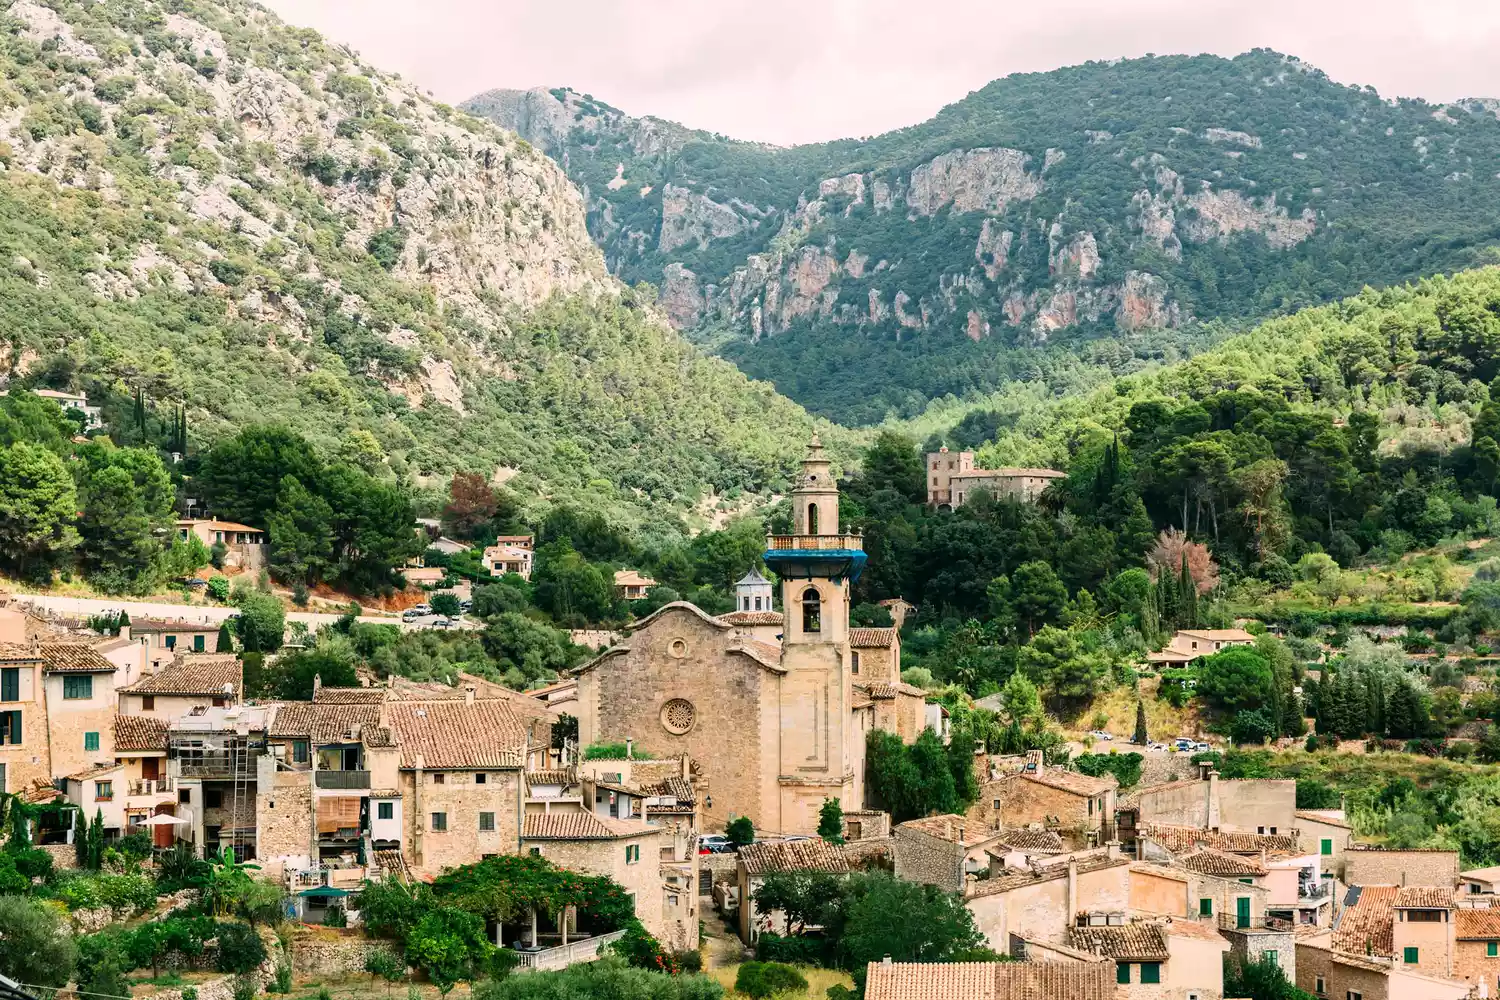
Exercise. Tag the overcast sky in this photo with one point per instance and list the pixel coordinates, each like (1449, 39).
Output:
(792, 71)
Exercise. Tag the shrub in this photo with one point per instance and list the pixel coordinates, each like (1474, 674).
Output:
(244, 988)
(643, 951)
(283, 983)
(240, 948)
(765, 979)
(87, 891)
(794, 950)
(740, 831)
(690, 961)
(190, 993)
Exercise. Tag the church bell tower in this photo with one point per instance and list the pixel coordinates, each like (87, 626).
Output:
(816, 564)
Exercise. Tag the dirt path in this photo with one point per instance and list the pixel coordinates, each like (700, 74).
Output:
(722, 947)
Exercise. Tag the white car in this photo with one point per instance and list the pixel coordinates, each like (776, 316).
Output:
(1158, 747)
(1100, 734)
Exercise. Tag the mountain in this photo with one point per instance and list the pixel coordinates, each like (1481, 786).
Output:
(217, 210)
(1053, 226)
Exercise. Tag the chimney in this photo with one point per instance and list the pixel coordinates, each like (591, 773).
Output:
(468, 694)
(886, 960)
(1213, 800)
(1072, 888)
(1112, 849)
(317, 685)
(629, 748)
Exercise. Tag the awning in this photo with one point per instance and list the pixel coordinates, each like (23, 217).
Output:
(324, 892)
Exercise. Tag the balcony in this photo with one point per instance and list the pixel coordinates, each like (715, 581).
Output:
(148, 787)
(816, 543)
(551, 959)
(343, 779)
(223, 767)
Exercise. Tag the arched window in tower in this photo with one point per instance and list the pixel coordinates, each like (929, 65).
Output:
(812, 519)
(812, 611)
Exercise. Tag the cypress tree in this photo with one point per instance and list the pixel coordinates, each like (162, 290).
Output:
(225, 641)
(1189, 595)
(1141, 739)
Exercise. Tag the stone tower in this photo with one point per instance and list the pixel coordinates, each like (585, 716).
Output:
(753, 592)
(821, 755)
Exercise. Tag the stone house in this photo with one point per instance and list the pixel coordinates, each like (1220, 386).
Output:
(1476, 949)
(1166, 842)
(1263, 806)
(79, 697)
(866, 824)
(1039, 904)
(1159, 959)
(942, 851)
(213, 761)
(166, 639)
(1034, 795)
(1176, 891)
(1480, 882)
(632, 586)
(1330, 974)
(1190, 644)
(1085, 977)
(953, 479)
(1365, 865)
(184, 684)
(1326, 833)
(1423, 933)
(141, 749)
(759, 860)
(245, 546)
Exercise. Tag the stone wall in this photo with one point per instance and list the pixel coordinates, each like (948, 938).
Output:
(461, 800)
(1013, 802)
(283, 819)
(1472, 965)
(1382, 867)
(872, 824)
(1252, 945)
(928, 860)
(331, 953)
(641, 878)
(1314, 963)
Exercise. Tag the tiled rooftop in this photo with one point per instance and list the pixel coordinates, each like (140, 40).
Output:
(1137, 942)
(579, 826)
(1046, 873)
(814, 855)
(1478, 924)
(1365, 927)
(953, 828)
(752, 618)
(349, 695)
(1222, 864)
(1071, 781)
(457, 734)
(142, 625)
(1184, 839)
(335, 723)
(871, 638)
(139, 733)
(1032, 840)
(193, 674)
(73, 658)
(1424, 897)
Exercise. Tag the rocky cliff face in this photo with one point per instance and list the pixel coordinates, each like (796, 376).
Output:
(1118, 201)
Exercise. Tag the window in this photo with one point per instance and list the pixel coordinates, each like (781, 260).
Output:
(996, 804)
(212, 798)
(104, 791)
(812, 519)
(1425, 916)
(77, 688)
(812, 610)
(1122, 972)
(1150, 972)
(632, 853)
(1491, 949)
(1409, 956)
(90, 742)
(1320, 987)
(1091, 807)
(757, 604)
(1205, 907)
(486, 822)
(1325, 847)
(385, 810)
(299, 751)
(198, 643)
(1248, 881)
(10, 726)
(148, 702)
(184, 796)
(479, 778)
(439, 822)
(10, 683)
(437, 779)
(536, 852)
(171, 642)
(1271, 957)
(1273, 831)
(1260, 829)
(1353, 995)
(854, 662)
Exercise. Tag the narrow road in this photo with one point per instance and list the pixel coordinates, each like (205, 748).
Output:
(148, 609)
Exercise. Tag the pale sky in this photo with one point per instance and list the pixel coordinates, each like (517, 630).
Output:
(791, 71)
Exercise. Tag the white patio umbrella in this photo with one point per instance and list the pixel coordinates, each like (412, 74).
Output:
(164, 819)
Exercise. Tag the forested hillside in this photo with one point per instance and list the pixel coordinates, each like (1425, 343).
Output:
(1048, 226)
(239, 219)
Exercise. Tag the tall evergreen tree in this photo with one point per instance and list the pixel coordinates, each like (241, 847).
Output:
(1140, 738)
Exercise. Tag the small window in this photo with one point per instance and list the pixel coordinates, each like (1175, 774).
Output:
(1491, 949)
(212, 798)
(148, 702)
(1122, 972)
(812, 611)
(1409, 956)
(171, 642)
(1273, 831)
(77, 688)
(385, 810)
(996, 804)
(439, 822)
(1271, 957)
(299, 752)
(90, 741)
(632, 853)
(437, 779)
(854, 662)
(184, 796)
(479, 777)
(486, 822)
(1353, 995)
(104, 791)
(536, 852)
(1325, 847)
(1150, 972)
(757, 604)
(812, 519)
(1248, 881)
(1320, 986)
(1091, 807)
(10, 683)
(1205, 907)
(1260, 829)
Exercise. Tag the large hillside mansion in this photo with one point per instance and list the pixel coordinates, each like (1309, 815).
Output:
(952, 480)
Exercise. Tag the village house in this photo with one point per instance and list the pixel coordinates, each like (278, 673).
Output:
(213, 762)
(1159, 958)
(952, 480)
(1040, 903)
(1476, 948)
(245, 547)
(1367, 865)
(758, 860)
(510, 554)
(626, 850)
(79, 695)
(1263, 806)
(93, 415)
(632, 586)
(943, 850)
(186, 683)
(1079, 807)
(1190, 644)
(1175, 891)
(141, 750)
(1326, 833)
(165, 638)
(1480, 882)
(1063, 974)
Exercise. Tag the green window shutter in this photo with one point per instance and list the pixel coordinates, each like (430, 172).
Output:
(1150, 972)
(171, 642)
(15, 726)
(1326, 847)
(1122, 972)
(1491, 949)
(1409, 956)
(1242, 911)
(10, 683)
(91, 741)
(385, 810)
(75, 688)
(1205, 907)
(198, 643)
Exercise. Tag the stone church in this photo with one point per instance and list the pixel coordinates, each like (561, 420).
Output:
(773, 706)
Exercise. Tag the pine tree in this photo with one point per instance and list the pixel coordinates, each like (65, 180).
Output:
(831, 821)
(1140, 739)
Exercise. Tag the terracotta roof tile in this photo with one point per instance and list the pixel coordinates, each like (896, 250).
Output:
(752, 618)
(1424, 897)
(193, 674)
(1044, 873)
(1483, 924)
(139, 732)
(814, 855)
(1329, 817)
(580, 826)
(321, 723)
(882, 690)
(1032, 840)
(872, 638)
(449, 735)
(1138, 942)
(74, 658)
(1185, 839)
(1221, 864)
(349, 695)
(931, 981)
(12, 651)
(139, 625)
(952, 828)
(1071, 781)
(553, 776)
(1366, 926)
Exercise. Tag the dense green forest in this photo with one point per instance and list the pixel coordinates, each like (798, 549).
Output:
(1239, 187)
(198, 210)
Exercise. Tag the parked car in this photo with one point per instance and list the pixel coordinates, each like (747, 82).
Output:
(1100, 734)
(715, 843)
(1200, 747)
(442, 622)
(1183, 743)
(1158, 747)
(411, 615)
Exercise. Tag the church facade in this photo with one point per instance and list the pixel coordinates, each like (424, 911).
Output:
(773, 706)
